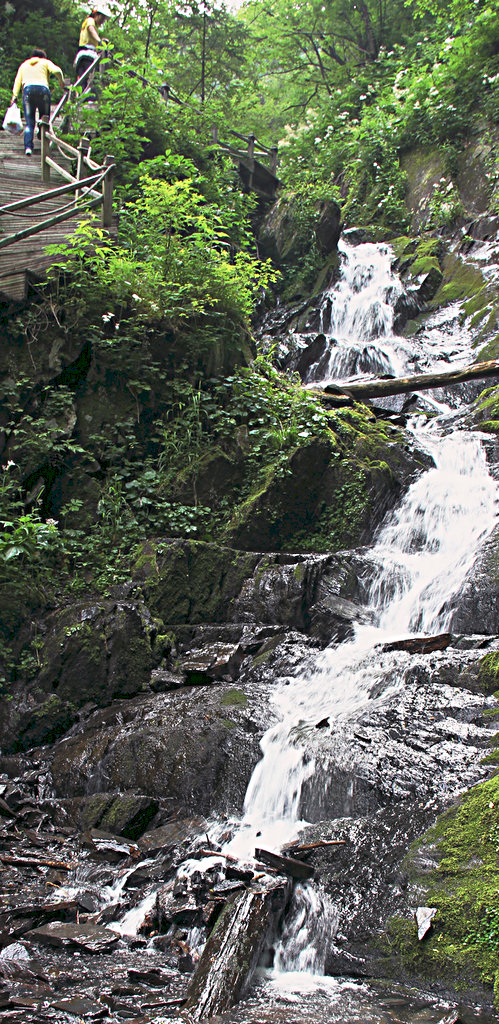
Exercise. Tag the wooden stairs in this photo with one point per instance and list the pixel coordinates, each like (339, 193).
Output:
(25, 262)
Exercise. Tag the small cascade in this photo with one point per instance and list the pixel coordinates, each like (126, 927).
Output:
(427, 548)
(357, 316)
(130, 923)
(307, 932)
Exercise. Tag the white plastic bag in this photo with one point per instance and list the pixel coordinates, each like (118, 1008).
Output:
(12, 120)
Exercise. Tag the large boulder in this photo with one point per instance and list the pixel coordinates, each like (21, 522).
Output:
(93, 652)
(282, 235)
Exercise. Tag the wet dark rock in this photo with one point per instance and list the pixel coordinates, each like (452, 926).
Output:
(233, 949)
(81, 1007)
(106, 846)
(328, 226)
(96, 652)
(89, 937)
(183, 753)
(281, 236)
(169, 837)
(315, 353)
(163, 679)
(127, 814)
(413, 300)
(484, 228)
(220, 661)
(156, 977)
(176, 908)
(476, 607)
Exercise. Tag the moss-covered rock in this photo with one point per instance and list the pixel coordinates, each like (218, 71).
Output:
(91, 653)
(331, 495)
(455, 869)
(126, 814)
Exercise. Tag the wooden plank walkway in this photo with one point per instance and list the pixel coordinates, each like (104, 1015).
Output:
(20, 177)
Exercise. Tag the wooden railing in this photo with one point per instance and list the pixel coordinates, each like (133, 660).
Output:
(82, 80)
(89, 191)
(250, 154)
(81, 154)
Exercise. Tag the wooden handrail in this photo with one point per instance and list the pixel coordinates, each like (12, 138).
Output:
(105, 173)
(52, 193)
(79, 81)
(57, 219)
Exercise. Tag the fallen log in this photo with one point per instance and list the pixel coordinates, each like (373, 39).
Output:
(418, 382)
(286, 865)
(305, 847)
(33, 862)
(420, 644)
(233, 949)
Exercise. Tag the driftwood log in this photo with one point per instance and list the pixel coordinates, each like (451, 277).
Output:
(400, 385)
(420, 644)
(234, 947)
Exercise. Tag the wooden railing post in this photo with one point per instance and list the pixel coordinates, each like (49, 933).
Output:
(80, 163)
(273, 159)
(44, 126)
(251, 158)
(107, 193)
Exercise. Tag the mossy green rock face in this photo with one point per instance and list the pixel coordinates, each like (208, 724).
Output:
(455, 869)
(191, 581)
(126, 815)
(327, 501)
(427, 171)
(424, 169)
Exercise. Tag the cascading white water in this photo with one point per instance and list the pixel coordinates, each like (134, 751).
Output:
(358, 310)
(424, 553)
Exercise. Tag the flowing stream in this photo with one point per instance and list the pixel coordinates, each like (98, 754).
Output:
(423, 554)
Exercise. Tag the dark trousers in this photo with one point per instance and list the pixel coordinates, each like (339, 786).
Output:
(35, 98)
(81, 66)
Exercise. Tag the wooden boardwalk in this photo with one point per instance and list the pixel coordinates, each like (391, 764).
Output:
(20, 177)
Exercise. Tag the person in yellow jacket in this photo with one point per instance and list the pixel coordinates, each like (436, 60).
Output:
(89, 41)
(33, 78)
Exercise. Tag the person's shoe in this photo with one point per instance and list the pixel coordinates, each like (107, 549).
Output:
(28, 151)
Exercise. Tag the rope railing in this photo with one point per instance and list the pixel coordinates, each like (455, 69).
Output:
(167, 93)
(53, 193)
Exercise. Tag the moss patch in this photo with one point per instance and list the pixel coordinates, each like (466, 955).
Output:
(463, 945)
(488, 675)
(233, 698)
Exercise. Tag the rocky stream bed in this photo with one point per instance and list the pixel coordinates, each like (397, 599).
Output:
(133, 790)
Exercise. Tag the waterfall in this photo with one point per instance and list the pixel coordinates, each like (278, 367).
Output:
(357, 316)
(423, 555)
